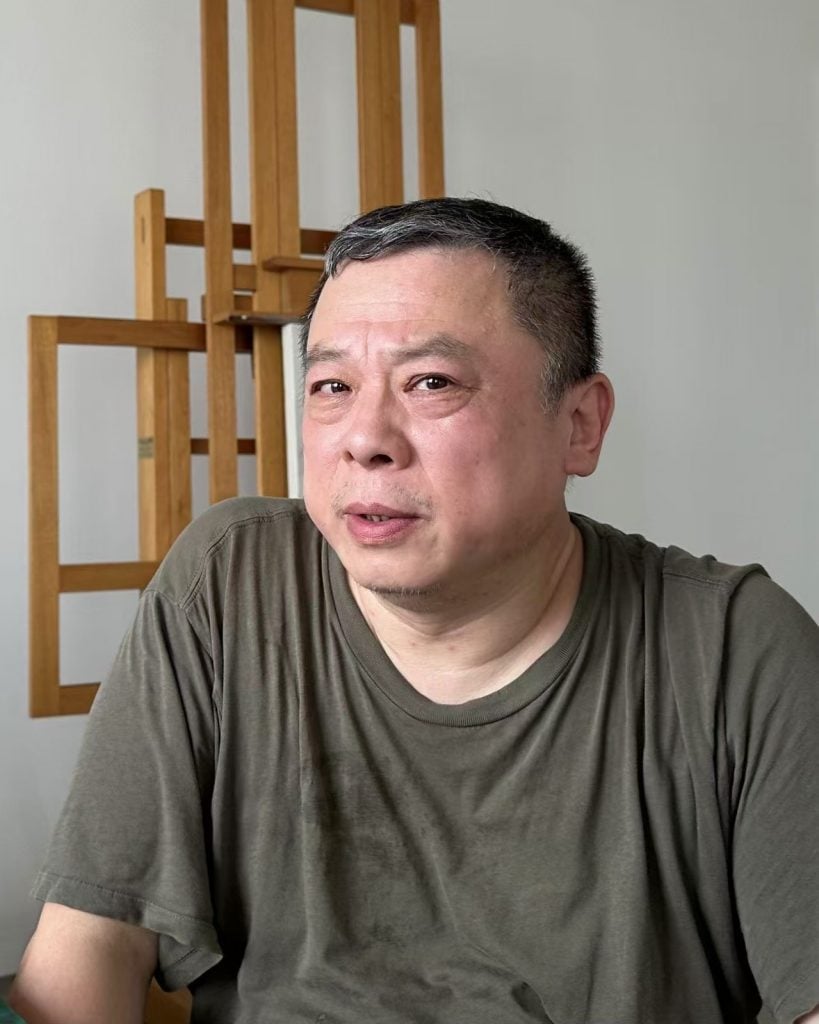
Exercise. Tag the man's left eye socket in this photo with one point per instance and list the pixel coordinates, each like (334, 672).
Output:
(328, 387)
(433, 383)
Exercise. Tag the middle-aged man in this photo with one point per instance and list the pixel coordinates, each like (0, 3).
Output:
(428, 748)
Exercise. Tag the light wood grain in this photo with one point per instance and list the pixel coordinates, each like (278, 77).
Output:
(293, 263)
(189, 232)
(244, 277)
(77, 698)
(185, 232)
(244, 446)
(221, 369)
(268, 381)
(92, 576)
(44, 556)
(179, 428)
(179, 432)
(407, 8)
(297, 287)
(430, 99)
(378, 66)
(263, 86)
(153, 464)
(274, 217)
(92, 330)
(242, 316)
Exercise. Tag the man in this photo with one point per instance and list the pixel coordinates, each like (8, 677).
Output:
(432, 749)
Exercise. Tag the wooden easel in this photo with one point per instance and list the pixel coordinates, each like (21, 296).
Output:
(244, 307)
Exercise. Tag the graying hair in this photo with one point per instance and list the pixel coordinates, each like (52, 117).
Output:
(549, 282)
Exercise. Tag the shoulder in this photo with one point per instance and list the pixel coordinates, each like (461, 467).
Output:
(675, 569)
(249, 531)
(759, 614)
(712, 609)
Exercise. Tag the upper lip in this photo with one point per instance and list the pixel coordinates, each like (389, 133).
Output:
(358, 508)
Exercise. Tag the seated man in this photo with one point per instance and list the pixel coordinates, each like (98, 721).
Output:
(427, 747)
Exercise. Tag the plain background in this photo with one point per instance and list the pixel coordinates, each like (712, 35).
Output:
(674, 140)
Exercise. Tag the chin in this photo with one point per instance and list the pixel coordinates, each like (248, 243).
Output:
(394, 591)
(395, 588)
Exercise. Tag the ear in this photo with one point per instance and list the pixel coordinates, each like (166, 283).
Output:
(590, 406)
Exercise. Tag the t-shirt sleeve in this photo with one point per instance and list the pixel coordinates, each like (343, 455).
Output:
(131, 843)
(772, 726)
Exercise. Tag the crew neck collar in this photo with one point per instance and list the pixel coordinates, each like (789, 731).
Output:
(380, 672)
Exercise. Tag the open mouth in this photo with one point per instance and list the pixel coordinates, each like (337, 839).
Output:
(379, 525)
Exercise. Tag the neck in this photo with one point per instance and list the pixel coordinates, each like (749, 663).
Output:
(454, 647)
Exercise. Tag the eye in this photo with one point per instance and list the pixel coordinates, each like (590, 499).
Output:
(328, 387)
(432, 382)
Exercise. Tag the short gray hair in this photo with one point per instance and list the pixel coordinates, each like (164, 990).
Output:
(550, 284)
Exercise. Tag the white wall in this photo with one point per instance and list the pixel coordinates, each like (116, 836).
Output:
(674, 140)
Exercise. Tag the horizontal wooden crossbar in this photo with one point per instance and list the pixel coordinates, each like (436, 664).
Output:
(96, 576)
(74, 699)
(245, 275)
(239, 317)
(88, 330)
(182, 231)
(162, 334)
(279, 263)
(346, 7)
(244, 446)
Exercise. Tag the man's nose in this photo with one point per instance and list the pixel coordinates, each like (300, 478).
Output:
(376, 432)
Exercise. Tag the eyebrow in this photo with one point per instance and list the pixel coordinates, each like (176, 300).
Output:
(440, 345)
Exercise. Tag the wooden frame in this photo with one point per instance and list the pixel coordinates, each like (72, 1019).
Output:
(163, 392)
(272, 290)
(243, 306)
(281, 279)
(49, 578)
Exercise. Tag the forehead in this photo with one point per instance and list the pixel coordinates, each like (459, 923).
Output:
(420, 292)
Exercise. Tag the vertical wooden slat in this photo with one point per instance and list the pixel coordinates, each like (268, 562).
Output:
(274, 179)
(274, 216)
(378, 63)
(268, 389)
(223, 469)
(430, 99)
(286, 142)
(179, 429)
(264, 171)
(44, 555)
(152, 378)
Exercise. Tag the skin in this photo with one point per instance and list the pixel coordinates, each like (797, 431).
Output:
(473, 593)
(83, 969)
(423, 394)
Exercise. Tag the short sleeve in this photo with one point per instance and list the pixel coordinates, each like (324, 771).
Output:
(772, 733)
(131, 843)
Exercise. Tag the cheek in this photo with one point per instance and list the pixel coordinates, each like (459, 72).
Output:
(316, 474)
(318, 445)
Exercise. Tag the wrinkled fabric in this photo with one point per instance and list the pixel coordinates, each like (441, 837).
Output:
(626, 833)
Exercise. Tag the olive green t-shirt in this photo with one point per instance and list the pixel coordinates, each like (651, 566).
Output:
(628, 833)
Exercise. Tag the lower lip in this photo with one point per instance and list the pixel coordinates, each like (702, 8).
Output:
(378, 531)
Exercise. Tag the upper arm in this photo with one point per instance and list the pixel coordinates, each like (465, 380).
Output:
(772, 723)
(133, 839)
(83, 969)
